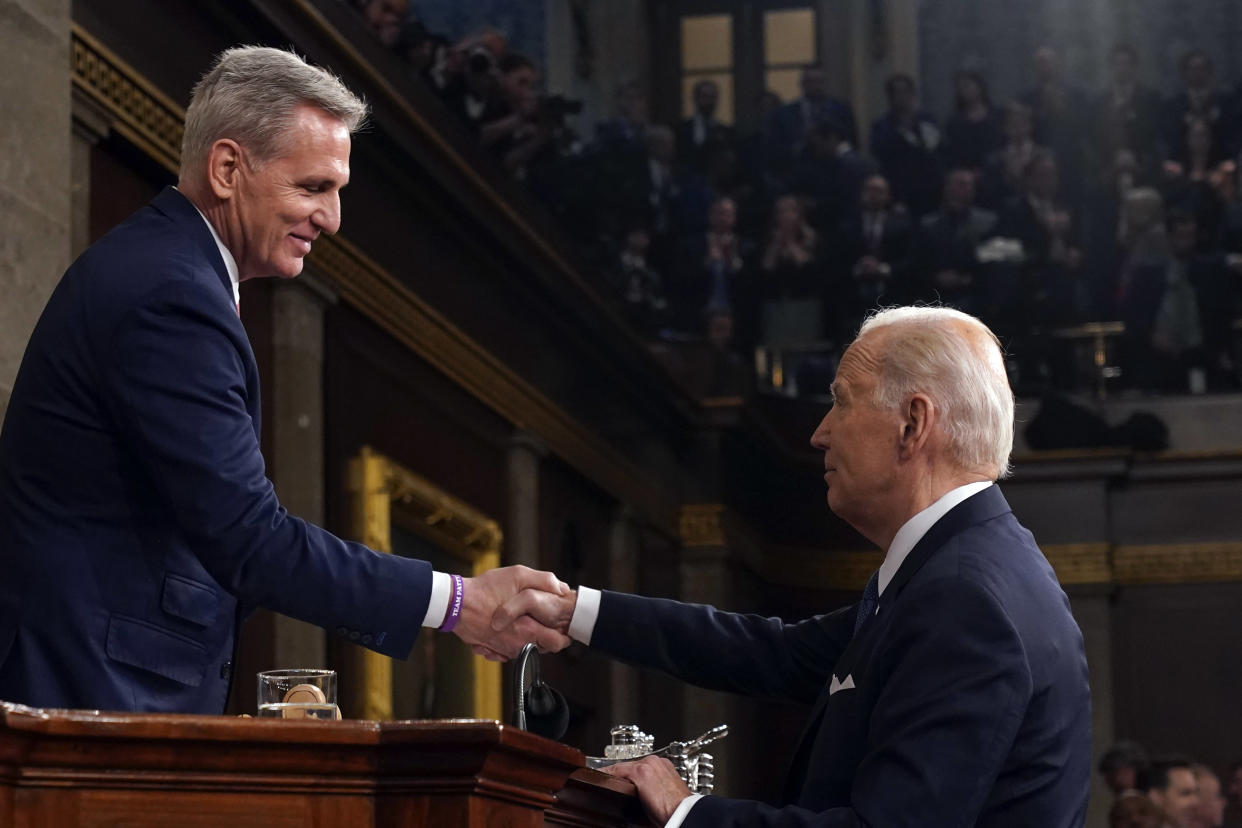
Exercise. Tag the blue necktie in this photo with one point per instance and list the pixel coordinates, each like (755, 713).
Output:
(870, 600)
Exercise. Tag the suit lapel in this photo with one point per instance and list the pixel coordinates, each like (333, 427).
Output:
(985, 505)
(173, 204)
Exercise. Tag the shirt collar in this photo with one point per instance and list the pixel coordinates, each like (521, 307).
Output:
(230, 264)
(915, 528)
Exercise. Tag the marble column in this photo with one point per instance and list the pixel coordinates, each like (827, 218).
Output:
(295, 400)
(34, 169)
(525, 451)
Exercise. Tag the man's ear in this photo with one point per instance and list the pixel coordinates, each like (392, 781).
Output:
(918, 418)
(224, 161)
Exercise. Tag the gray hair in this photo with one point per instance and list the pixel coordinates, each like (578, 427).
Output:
(930, 353)
(251, 94)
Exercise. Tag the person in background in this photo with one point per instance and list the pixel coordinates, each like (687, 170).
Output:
(1120, 766)
(791, 280)
(829, 174)
(1210, 812)
(786, 129)
(874, 247)
(386, 17)
(906, 141)
(1199, 100)
(1126, 114)
(710, 273)
(702, 132)
(1060, 112)
(1169, 782)
(640, 288)
(973, 131)
(1004, 169)
(949, 241)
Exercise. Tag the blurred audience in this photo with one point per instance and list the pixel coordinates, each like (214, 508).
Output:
(1064, 207)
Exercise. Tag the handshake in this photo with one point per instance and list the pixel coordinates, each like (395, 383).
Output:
(507, 608)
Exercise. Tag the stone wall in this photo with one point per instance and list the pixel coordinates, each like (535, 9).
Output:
(34, 169)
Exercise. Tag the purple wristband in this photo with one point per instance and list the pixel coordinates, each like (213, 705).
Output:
(456, 598)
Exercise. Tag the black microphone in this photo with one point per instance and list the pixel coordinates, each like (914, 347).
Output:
(540, 708)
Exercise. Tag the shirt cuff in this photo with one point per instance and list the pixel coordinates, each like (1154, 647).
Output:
(437, 607)
(586, 613)
(683, 810)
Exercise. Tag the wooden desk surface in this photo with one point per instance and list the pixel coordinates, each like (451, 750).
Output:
(91, 768)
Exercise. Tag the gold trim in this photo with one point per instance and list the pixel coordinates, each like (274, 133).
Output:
(701, 524)
(1178, 563)
(144, 115)
(1080, 563)
(153, 122)
(381, 488)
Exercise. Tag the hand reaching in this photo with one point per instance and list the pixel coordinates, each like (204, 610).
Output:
(659, 787)
(492, 589)
(532, 610)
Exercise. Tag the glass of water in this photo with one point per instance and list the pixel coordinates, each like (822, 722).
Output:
(298, 694)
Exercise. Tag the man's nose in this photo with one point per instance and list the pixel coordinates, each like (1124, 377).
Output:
(819, 437)
(327, 218)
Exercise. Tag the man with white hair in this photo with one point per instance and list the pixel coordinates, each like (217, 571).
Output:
(955, 692)
(137, 525)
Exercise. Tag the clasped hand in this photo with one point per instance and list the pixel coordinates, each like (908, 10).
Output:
(499, 636)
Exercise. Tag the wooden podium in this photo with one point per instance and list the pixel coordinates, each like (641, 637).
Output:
(62, 768)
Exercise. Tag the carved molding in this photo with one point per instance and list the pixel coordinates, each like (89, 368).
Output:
(151, 121)
(142, 113)
(1178, 563)
(701, 525)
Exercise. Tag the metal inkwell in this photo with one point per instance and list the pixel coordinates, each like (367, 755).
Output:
(694, 766)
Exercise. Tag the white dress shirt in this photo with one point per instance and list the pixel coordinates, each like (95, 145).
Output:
(441, 585)
(586, 613)
(230, 264)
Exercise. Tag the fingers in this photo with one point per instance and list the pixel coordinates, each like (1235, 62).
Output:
(547, 640)
(526, 578)
(550, 610)
(488, 653)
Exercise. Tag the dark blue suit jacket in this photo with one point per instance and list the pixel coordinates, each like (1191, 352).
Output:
(137, 526)
(969, 702)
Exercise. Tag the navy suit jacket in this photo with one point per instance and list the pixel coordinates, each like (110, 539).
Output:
(963, 702)
(137, 526)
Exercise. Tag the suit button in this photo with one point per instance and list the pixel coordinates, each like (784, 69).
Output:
(226, 669)
(353, 635)
(367, 639)
(342, 631)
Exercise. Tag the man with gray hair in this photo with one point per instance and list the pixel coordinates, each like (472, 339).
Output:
(955, 692)
(137, 525)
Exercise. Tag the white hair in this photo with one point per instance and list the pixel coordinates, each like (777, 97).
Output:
(251, 94)
(928, 351)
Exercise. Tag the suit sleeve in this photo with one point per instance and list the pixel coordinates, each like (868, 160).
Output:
(177, 390)
(745, 654)
(955, 688)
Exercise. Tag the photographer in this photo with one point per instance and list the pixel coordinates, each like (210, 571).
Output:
(467, 78)
(526, 124)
